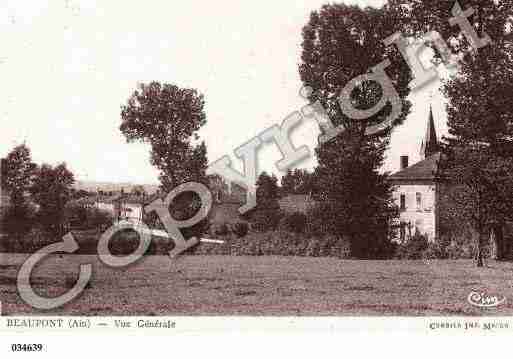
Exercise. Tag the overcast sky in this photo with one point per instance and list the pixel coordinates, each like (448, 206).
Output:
(66, 67)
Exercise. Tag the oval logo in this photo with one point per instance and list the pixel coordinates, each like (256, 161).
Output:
(483, 300)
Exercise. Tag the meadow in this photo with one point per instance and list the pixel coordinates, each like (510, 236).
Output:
(263, 286)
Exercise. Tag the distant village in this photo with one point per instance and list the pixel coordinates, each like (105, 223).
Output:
(417, 191)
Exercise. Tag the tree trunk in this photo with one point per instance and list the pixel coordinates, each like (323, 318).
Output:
(497, 242)
(480, 241)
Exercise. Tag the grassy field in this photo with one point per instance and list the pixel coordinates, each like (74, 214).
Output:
(219, 285)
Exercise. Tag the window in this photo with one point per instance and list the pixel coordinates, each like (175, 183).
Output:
(418, 196)
(403, 202)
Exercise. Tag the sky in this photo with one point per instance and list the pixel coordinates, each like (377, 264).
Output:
(67, 66)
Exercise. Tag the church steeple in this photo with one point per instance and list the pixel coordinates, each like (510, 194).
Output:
(430, 142)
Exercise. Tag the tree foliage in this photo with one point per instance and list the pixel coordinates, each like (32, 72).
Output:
(418, 17)
(341, 42)
(52, 189)
(477, 161)
(479, 150)
(168, 118)
(17, 175)
(297, 181)
(266, 214)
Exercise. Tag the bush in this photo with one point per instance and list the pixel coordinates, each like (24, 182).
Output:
(294, 222)
(316, 223)
(277, 243)
(99, 219)
(413, 248)
(434, 251)
(124, 242)
(460, 250)
(240, 229)
(17, 222)
(84, 218)
(313, 248)
(222, 230)
(265, 220)
(372, 246)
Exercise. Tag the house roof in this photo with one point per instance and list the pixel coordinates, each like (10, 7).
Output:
(424, 170)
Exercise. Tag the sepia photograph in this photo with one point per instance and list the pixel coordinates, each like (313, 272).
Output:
(256, 159)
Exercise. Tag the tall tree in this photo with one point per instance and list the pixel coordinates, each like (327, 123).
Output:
(341, 42)
(480, 144)
(17, 177)
(52, 189)
(266, 214)
(168, 118)
(18, 173)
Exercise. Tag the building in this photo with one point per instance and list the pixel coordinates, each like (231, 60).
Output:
(227, 199)
(122, 206)
(418, 188)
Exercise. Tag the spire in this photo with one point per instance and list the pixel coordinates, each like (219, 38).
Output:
(430, 142)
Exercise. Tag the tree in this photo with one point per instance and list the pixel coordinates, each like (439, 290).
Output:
(17, 176)
(52, 189)
(479, 149)
(78, 194)
(480, 192)
(3, 172)
(298, 181)
(17, 221)
(341, 42)
(478, 152)
(18, 173)
(138, 190)
(168, 118)
(418, 17)
(266, 214)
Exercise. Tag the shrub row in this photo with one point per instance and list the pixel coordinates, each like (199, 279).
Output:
(238, 242)
(418, 247)
(276, 243)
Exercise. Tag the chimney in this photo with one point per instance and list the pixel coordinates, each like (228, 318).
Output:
(404, 162)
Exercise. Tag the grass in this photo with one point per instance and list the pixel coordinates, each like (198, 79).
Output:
(223, 285)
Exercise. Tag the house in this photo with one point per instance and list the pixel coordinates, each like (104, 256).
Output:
(122, 206)
(227, 199)
(418, 189)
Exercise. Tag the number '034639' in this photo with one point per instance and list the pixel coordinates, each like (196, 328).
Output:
(26, 347)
